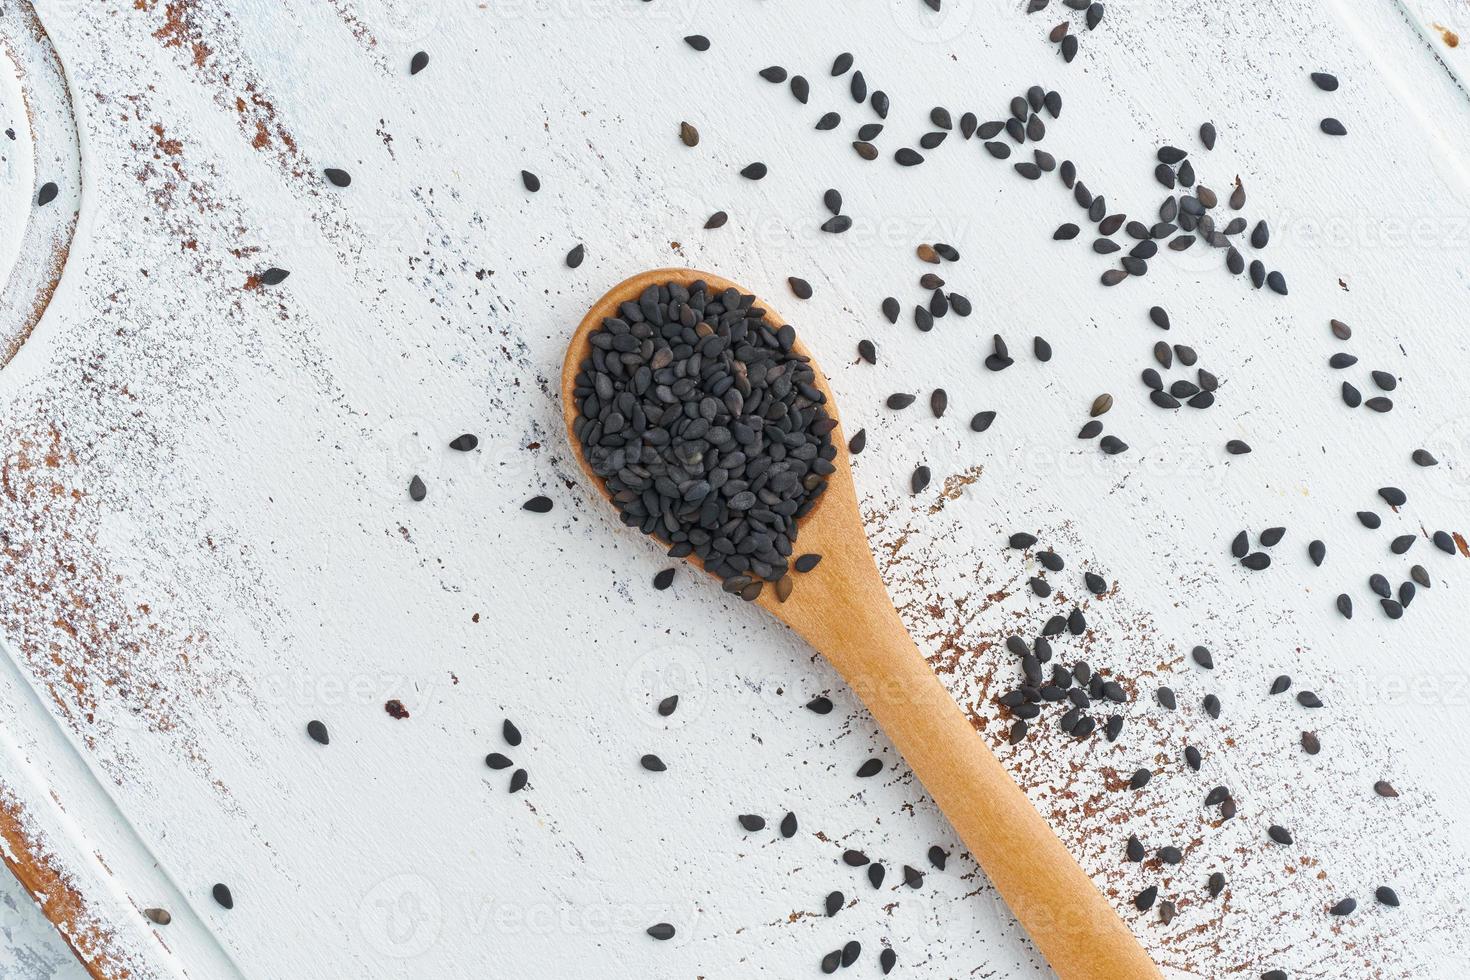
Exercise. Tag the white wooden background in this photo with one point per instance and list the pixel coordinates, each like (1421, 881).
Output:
(210, 542)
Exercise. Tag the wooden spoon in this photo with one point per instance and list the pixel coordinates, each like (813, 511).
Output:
(842, 609)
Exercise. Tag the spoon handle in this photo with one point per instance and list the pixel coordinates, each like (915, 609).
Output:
(850, 619)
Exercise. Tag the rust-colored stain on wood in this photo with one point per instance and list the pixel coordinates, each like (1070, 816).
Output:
(38, 873)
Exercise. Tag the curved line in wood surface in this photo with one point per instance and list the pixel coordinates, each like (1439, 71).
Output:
(49, 840)
(27, 287)
(51, 888)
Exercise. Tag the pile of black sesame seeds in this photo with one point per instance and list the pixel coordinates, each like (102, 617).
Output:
(707, 428)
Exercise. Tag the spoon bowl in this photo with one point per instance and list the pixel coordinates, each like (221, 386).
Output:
(841, 607)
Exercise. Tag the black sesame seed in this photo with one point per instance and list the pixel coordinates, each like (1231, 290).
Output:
(222, 895)
(753, 171)
(834, 903)
(1279, 834)
(820, 705)
(531, 182)
(661, 931)
(496, 760)
(751, 822)
(418, 62)
(981, 421)
(318, 732)
(538, 505)
(653, 763)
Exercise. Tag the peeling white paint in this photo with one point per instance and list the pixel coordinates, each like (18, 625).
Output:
(247, 557)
